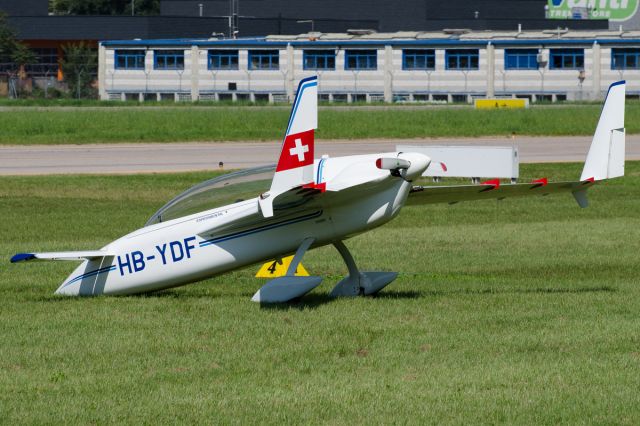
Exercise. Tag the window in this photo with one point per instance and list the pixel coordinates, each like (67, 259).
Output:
(222, 60)
(521, 59)
(319, 60)
(168, 60)
(46, 62)
(566, 59)
(462, 59)
(130, 59)
(264, 60)
(418, 59)
(625, 58)
(361, 60)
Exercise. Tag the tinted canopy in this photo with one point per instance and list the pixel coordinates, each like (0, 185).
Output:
(216, 192)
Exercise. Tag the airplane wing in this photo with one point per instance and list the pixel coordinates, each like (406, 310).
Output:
(494, 190)
(61, 255)
(605, 160)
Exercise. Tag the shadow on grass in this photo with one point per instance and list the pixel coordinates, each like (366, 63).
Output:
(313, 301)
(173, 294)
(160, 294)
(398, 295)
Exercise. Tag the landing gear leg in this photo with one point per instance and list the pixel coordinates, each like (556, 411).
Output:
(284, 289)
(359, 283)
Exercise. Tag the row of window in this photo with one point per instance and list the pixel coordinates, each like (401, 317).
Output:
(362, 59)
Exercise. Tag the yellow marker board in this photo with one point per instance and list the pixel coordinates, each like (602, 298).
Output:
(501, 103)
(273, 269)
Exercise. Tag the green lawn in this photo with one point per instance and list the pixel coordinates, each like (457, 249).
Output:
(521, 311)
(170, 124)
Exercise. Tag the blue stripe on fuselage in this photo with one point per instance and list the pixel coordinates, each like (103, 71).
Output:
(91, 273)
(260, 229)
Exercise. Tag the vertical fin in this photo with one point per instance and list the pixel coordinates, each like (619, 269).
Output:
(605, 159)
(295, 163)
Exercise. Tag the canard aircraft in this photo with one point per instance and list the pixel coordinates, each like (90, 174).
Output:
(311, 202)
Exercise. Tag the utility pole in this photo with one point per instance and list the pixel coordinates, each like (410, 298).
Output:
(234, 18)
(133, 7)
(233, 14)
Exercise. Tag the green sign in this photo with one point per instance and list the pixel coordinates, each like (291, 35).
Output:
(614, 10)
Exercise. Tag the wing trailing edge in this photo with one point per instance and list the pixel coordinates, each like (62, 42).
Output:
(457, 193)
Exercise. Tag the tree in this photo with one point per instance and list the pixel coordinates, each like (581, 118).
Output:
(79, 67)
(14, 55)
(104, 7)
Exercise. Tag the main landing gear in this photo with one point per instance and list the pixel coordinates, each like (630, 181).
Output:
(284, 289)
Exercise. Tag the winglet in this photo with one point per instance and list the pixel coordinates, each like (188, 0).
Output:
(605, 159)
(22, 257)
(581, 198)
(295, 163)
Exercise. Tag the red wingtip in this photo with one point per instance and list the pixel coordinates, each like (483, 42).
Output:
(591, 179)
(379, 163)
(494, 182)
(543, 181)
(444, 166)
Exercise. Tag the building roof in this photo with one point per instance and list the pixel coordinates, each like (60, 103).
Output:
(446, 37)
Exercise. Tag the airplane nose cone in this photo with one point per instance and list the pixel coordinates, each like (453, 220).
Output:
(419, 163)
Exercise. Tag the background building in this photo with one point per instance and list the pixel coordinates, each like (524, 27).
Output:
(174, 53)
(360, 66)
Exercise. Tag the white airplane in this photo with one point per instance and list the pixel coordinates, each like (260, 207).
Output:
(310, 203)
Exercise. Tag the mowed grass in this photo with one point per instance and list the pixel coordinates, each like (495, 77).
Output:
(521, 311)
(80, 126)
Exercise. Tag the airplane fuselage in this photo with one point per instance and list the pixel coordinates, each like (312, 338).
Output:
(175, 253)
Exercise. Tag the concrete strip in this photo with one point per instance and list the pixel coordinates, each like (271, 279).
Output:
(181, 157)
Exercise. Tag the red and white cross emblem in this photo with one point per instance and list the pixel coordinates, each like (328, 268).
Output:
(299, 150)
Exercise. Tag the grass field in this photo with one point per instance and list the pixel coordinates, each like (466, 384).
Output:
(79, 126)
(521, 311)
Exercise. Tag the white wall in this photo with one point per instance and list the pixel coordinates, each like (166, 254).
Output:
(341, 81)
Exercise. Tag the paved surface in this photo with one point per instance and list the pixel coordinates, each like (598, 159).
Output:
(178, 157)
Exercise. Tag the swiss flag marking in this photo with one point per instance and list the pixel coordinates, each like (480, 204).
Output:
(297, 151)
